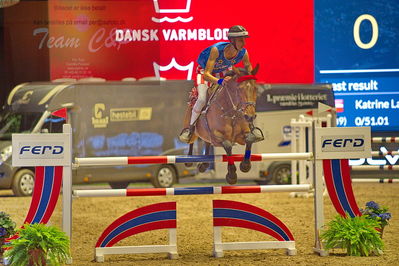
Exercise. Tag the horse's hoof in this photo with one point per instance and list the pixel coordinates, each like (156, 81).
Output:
(231, 168)
(188, 164)
(202, 167)
(231, 178)
(245, 166)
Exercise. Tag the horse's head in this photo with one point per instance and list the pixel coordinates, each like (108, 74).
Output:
(247, 89)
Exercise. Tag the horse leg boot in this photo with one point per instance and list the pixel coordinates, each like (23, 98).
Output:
(245, 164)
(203, 166)
(231, 176)
(190, 152)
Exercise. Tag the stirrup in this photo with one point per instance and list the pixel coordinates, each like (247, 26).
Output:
(186, 134)
(257, 132)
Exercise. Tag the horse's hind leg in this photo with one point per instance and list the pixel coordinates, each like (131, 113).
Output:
(245, 164)
(231, 176)
(203, 166)
(190, 152)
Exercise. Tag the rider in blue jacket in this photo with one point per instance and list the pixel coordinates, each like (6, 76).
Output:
(213, 63)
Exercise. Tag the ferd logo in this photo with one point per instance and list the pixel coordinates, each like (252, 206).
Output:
(42, 150)
(343, 143)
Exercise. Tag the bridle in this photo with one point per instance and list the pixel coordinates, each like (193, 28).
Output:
(241, 106)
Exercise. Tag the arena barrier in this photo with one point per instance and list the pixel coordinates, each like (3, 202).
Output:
(59, 154)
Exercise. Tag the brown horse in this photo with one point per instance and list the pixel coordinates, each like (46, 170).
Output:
(227, 119)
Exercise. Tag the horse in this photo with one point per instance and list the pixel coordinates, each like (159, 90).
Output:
(228, 118)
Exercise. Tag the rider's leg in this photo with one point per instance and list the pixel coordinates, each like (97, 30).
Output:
(200, 103)
(187, 132)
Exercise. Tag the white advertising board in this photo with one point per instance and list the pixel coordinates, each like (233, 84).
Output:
(41, 149)
(343, 142)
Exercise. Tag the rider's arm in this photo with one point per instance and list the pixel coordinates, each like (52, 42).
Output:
(209, 66)
(247, 63)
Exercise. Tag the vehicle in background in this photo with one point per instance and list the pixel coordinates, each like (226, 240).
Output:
(127, 118)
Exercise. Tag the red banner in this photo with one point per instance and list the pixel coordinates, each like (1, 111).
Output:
(138, 38)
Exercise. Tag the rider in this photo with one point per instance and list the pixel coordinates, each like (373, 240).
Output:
(214, 62)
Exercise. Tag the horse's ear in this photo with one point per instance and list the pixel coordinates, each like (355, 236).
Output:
(236, 70)
(255, 70)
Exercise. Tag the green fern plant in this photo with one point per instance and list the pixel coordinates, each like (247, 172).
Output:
(37, 244)
(356, 235)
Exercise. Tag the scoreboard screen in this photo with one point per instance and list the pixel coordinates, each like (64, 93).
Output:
(357, 50)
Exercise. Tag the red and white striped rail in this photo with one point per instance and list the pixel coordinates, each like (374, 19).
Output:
(374, 180)
(114, 161)
(374, 167)
(385, 140)
(383, 153)
(190, 191)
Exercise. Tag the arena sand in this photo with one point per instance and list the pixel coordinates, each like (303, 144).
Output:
(194, 232)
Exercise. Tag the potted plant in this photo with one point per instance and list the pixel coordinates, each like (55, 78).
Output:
(356, 235)
(36, 244)
(7, 227)
(378, 213)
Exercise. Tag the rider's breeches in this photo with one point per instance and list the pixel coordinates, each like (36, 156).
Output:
(200, 103)
(202, 87)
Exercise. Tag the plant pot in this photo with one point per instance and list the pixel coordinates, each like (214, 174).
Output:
(36, 256)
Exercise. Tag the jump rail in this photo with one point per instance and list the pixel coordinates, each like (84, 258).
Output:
(375, 180)
(374, 167)
(385, 140)
(113, 161)
(190, 191)
(381, 153)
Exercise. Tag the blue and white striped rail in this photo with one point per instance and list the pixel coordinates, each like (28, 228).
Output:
(113, 161)
(138, 192)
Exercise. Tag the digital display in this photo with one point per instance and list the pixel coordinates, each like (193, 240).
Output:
(356, 49)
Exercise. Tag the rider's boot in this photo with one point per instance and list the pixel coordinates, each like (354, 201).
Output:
(186, 134)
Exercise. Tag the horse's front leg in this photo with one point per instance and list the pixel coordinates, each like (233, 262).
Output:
(245, 164)
(231, 176)
(203, 166)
